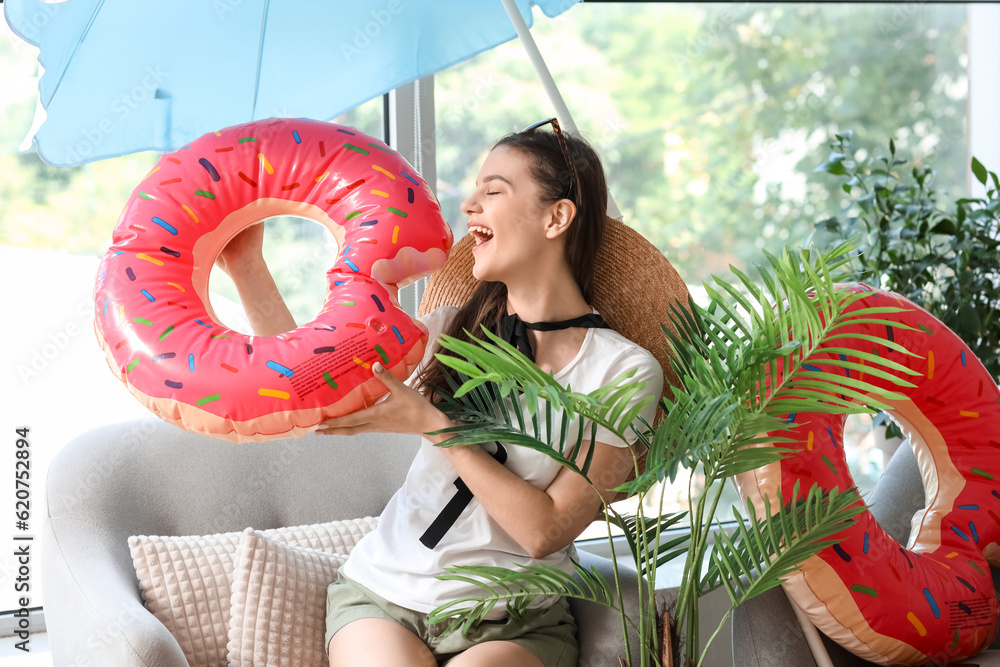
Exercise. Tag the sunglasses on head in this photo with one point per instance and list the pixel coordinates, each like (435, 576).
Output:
(562, 144)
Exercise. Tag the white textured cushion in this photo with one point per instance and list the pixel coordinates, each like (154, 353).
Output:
(279, 603)
(186, 581)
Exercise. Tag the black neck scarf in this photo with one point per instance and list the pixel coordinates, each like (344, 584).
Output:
(515, 331)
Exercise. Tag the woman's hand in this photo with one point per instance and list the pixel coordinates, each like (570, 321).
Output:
(404, 411)
(243, 260)
(244, 252)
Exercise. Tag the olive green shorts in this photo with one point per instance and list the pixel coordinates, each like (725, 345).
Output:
(549, 633)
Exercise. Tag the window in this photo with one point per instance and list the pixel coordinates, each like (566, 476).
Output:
(711, 117)
(54, 227)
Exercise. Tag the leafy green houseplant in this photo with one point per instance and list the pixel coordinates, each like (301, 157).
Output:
(744, 365)
(945, 258)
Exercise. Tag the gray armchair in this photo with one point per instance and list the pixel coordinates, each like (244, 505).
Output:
(148, 477)
(765, 631)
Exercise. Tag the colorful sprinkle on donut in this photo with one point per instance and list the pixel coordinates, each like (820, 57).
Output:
(151, 260)
(267, 165)
(212, 171)
(284, 370)
(912, 618)
(274, 393)
(166, 225)
(329, 380)
(870, 592)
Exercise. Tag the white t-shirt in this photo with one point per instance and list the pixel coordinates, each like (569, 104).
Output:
(396, 564)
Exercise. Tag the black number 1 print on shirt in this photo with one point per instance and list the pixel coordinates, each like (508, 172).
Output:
(449, 515)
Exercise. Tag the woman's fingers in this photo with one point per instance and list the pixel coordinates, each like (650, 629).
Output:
(383, 375)
(352, 419)
(368, 419)
(346, 430)
(405, 410)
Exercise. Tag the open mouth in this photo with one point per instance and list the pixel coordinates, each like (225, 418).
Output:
(480, 234)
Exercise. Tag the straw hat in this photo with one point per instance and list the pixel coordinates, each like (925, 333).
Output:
(634, 288)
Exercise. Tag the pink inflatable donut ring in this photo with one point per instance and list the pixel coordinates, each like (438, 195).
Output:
(931, 600)
(153, 316)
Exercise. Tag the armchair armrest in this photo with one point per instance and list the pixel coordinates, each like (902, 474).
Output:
(150, 478)
(100, 619)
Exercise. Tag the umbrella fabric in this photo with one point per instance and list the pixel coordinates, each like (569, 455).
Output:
(124, 76)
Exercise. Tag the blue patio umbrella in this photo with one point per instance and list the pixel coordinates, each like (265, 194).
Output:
(123, 76)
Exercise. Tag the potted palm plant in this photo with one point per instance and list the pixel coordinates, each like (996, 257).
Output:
(941, 256)
(731, 399)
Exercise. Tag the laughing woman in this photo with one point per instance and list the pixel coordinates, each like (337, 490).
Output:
(538, 218)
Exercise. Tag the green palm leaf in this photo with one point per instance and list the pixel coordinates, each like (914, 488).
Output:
(691, 428)
(765, 550)
(515, 589)
(765, 345)
(643, 530)
(486, 402)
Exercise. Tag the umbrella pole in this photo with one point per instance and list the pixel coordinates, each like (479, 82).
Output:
(562, 111)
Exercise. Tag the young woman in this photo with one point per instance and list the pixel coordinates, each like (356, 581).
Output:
(538, 217)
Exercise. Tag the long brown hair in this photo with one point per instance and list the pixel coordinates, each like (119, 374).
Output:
(548, 168)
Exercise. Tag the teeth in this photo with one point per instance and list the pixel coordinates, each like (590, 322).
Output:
(482, 234)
